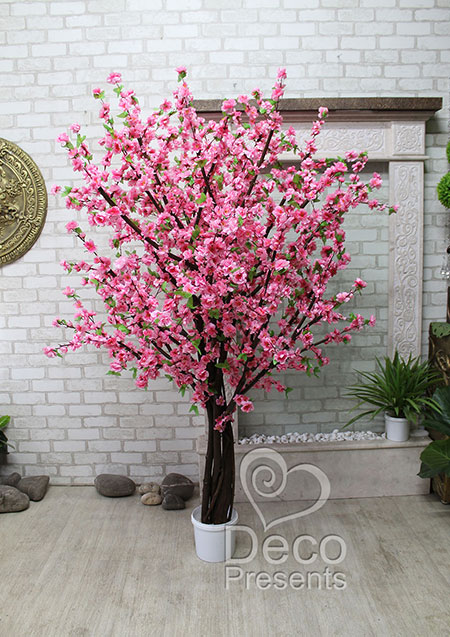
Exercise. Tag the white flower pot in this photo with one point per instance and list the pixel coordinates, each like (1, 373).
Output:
(397, 429)
(211, 543)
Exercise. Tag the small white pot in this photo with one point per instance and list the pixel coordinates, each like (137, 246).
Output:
(211, 541)
(397, 429)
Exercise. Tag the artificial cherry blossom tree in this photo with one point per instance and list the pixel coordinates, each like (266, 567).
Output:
(220, 254)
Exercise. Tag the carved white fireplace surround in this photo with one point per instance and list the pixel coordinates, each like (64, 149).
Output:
(391, 130)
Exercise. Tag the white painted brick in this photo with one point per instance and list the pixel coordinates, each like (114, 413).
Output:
(105, 445)
(140, 445)
(28, 8)
(323, 43)
(47, 434)
(85, 433)
(244, 44)
(47, 22)
(24, 37)
(130, 46)
(189, 5)
(336, 28)
(413, 28)
(67, 8)
(219, 30)
(126, 458)
(81, 470)
(85, 410)
(432, 15)
(175, 445)
(16, 51)
(42, 446)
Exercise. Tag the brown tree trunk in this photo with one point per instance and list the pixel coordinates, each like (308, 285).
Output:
(218, 480)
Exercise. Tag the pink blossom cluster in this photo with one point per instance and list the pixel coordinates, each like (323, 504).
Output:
(212, 237)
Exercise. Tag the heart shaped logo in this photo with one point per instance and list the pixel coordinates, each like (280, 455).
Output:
(260, 459)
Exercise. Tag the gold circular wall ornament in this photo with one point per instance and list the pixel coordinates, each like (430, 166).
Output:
(23, 202)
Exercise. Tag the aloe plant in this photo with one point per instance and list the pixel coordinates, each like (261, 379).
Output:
(436, 457)
(4, 420)
(397, 386)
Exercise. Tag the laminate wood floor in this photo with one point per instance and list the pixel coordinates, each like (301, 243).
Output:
(80, 565)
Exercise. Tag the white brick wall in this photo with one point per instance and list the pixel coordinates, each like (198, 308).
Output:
(70, 420)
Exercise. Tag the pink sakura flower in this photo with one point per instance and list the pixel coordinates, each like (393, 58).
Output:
(359, 283)
(323, 112)
(90, 245)
(281, 357)
(55, 189)
(228, 106)
(104, 111)
(281, 264)
(114, 78)
(281, 74)
(63, 138)
(75, 128)
(372, 320)
(50, 352)
(239, 276)
(376, 181)
(68, 291)
(71, 226)
(180, 69)
(120, 263)
(277, 92)
(97, 92)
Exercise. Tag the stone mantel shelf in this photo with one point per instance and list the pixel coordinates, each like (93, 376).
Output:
(349, 109)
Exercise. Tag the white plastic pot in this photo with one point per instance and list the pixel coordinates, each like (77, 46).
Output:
(397, 429)
(211, 541)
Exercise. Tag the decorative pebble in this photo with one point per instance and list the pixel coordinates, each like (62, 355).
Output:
(114, 486)
(151, 499)
(173, 502)
(149, 487)
(335, 436)
(12, 480)
(12, 500)
(177, 484)
(34, 486)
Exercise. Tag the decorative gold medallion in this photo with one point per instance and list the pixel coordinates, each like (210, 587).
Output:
(23, 202)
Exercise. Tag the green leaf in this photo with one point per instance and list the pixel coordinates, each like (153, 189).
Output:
(111, 373)
(190, 302)
(4, 420)
(223, 365)
(214, 313)
(122, 328)
(194, 409)
(242, 357)
(287, 390)
(439, 418)
(437, 456)
(201, 199)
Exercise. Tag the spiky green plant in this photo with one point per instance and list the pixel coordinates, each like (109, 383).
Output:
(397, 386)
(4, 420)
(436, 457)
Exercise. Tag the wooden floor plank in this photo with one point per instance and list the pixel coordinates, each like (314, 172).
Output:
(80, 565)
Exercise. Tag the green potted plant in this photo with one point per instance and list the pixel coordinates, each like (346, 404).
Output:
(4, 420)
(436, 457)
(398, 389)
